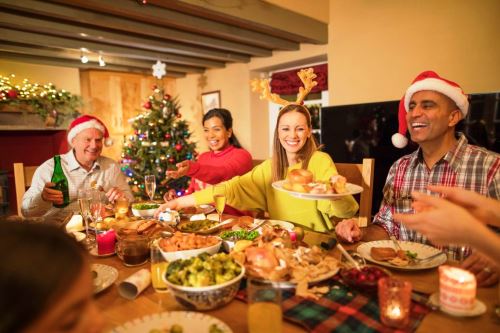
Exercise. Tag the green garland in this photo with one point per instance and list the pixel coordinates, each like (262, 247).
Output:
(43, 99)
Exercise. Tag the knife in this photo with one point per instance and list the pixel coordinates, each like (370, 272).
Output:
(424, 300)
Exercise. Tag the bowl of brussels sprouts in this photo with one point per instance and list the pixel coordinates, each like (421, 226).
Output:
(204, 282)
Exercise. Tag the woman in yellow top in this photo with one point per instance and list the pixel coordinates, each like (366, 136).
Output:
(294, 148)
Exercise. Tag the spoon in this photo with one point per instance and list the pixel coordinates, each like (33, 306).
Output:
(348, 256)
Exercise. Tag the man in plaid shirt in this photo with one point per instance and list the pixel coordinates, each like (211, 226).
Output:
(430, 109)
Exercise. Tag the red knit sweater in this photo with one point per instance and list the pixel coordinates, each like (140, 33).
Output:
(213, 168)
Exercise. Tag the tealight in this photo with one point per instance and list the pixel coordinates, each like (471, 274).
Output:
(394, 302)
(457, 290)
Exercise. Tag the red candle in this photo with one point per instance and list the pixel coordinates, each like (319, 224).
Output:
(106, 242)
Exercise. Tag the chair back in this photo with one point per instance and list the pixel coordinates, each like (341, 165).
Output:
(22, 180)
(362, 175)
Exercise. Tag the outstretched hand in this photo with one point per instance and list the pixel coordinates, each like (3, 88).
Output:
(182, 170)
(172, 205)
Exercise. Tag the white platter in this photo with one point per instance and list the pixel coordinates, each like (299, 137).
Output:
(351, 189)
(191, 322)
(106, 276)
(422, 251)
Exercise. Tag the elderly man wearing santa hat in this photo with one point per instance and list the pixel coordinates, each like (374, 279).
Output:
(430, 109)
(83, 166)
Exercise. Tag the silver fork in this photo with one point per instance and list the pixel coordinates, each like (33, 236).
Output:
(415, 260)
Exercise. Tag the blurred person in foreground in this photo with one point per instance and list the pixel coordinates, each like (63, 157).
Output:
(84, 168)
(458, 217)
(225, 159)
(430, 109)
(45, 282)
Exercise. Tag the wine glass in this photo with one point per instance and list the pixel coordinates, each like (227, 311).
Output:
(97, 202)
(150, 186)
(219, 194)
(84, 197)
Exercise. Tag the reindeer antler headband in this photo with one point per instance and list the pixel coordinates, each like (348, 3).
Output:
(307, 77)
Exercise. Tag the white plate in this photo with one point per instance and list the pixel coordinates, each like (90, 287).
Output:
(283, 224)
(422, 250)
(201, 209)
(478, 309)
(106, 276)
(293, 285)
(351, 189)
(191, 322)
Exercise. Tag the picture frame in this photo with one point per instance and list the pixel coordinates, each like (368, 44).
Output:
(210, 100)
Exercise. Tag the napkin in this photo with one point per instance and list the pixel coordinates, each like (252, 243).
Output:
(132, 286)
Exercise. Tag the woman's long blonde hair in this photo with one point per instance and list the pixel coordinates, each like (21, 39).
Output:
(279, 159)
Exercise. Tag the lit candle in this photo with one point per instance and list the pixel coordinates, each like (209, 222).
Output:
(106, 242)
(394, 311)
(457, 289)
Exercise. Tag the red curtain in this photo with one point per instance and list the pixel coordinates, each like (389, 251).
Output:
(288, 83)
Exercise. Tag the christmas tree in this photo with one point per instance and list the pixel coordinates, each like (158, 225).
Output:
(160, 140)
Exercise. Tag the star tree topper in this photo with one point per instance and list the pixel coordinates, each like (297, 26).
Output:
(159, 69)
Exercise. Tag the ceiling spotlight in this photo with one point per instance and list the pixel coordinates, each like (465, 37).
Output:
(102, 63)
(84, 59)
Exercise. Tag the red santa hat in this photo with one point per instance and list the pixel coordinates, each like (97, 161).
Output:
(85, 122)
(427, 80)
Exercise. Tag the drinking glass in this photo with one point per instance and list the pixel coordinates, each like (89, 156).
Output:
(264, 306)
(158, 268)
(150, 186)
(219, 194)
(121, 207)
(394, 302)
(97, 202)
(84, 197)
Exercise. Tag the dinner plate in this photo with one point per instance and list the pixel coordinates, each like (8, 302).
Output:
(351, 189)
(106, 276)
(422, 251)
(293, 285)
(191, 322)
(201, 209)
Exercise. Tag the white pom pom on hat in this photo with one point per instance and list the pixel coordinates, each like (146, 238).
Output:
(427, 80)
(85, 122)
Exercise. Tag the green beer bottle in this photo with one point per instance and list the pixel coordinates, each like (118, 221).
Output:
(60, 181)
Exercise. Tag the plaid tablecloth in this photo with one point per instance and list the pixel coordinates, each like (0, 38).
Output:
(340, 310)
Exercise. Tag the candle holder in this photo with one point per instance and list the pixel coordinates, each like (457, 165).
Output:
(457, 290)
(394, 302)
(106, 242)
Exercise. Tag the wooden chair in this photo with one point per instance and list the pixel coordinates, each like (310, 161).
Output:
(22, 180)
(361, 174)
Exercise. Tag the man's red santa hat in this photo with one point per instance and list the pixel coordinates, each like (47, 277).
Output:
(427, 80)
(85, 122)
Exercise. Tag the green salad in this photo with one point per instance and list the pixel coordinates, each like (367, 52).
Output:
(145, 206)
(203, 270)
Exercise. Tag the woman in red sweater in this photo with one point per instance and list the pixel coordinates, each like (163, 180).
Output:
(225, 159)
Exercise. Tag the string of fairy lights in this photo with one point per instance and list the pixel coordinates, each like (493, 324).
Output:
(28, 90)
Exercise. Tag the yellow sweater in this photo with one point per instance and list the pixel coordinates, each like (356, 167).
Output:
(253, 191)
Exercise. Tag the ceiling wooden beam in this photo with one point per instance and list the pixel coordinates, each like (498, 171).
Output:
(177, 20)
(75, 55)
(255, 14)
(78, 64)
(52, 27)
(133, 53)
(81, 16)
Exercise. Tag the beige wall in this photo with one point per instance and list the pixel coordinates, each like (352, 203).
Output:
(317, 9)
(62, 77)
(377, 47)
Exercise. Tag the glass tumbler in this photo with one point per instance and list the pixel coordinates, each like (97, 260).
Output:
(158, 268)
(394, 302)
(264, 306)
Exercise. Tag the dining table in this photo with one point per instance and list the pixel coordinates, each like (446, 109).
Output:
(117, 310)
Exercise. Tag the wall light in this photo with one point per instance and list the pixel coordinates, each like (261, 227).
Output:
(83, 58)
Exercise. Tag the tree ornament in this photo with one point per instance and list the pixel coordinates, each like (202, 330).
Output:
(171, 160)
(147, 105)
(167, 97)
(168, 136)
(178, 147)
(189, 156)
(12, 94)
(178, 115)
(159, 69)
